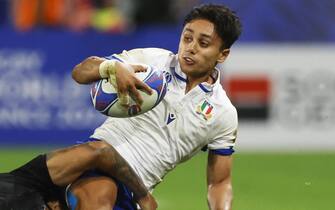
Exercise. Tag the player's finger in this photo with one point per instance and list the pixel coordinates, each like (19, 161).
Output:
(124, 100)
(112, 81)
(144, 87)
(136, 96)
(139, 68)
(123, 97)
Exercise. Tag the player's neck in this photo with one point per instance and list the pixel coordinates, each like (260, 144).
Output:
(193, 82)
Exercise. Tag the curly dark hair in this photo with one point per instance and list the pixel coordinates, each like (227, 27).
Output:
(227, 24)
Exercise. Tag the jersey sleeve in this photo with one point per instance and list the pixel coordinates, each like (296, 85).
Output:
(157, 57)
(224, 140)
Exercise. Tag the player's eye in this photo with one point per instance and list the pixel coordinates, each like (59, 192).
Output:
(204, 44)
(187, 39)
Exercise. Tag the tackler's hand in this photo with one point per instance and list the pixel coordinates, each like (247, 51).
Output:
(147, 202)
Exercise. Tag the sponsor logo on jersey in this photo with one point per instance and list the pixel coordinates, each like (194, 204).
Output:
(171, 117)
(205, 109)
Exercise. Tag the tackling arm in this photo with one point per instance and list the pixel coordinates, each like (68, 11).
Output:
(220, 192)
(66, 165)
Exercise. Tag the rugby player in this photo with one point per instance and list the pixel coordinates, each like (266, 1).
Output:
(195, 113)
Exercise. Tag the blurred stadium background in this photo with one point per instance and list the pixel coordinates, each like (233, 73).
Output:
(280, 75)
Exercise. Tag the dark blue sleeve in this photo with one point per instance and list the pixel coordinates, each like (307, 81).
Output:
(113, 57)
(224, 152)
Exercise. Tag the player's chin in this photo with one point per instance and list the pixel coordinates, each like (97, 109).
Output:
(188, 69)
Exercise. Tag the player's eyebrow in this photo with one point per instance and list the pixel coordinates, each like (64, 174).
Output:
(201, 34)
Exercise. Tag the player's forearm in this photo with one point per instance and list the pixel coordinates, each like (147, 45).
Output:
(87, 71)
(112, 162)
(220, 196)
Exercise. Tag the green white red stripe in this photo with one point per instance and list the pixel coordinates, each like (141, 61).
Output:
(206, 108)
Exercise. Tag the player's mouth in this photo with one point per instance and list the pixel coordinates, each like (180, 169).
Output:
(188, 60)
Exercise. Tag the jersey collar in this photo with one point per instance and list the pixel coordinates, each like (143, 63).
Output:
(204, 86)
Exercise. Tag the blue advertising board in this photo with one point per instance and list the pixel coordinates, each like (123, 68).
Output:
(41, 104)
(39, 101)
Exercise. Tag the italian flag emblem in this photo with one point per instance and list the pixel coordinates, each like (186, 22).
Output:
(205, 109)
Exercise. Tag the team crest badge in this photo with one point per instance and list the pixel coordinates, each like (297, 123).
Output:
(205, 109)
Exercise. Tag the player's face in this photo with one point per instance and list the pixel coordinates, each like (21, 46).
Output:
(200, 49)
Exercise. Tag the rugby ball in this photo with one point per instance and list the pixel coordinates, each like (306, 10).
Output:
(105, 99)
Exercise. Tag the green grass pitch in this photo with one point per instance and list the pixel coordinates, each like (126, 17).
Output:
(262, 181)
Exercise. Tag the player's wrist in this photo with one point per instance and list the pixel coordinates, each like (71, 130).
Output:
(107, 68)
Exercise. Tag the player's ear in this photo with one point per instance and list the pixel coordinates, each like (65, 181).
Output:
(223, 55)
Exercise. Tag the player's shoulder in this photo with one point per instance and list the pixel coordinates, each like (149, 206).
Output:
(226, 113)
(151, 51)
(222, 101)
(150, 56)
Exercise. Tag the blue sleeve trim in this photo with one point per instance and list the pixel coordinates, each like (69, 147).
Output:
(87, 140)
(113, 57)
(228, 151)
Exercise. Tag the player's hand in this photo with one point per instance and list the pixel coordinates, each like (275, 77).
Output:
(148, 202)
(128, 85)
(53, 205)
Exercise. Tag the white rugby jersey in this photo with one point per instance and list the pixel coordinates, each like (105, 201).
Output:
(176, 129)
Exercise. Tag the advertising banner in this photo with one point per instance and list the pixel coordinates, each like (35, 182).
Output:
(285, 95)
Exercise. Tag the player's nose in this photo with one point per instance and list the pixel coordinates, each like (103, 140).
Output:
(191, 47)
